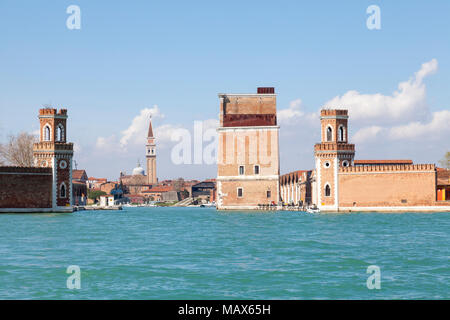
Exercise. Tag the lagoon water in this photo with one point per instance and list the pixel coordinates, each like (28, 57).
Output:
(199, 253)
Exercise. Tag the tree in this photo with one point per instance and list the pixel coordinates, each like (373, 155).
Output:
(18, 150)
(184, 194)
(445, 162)
(95, 194)
(178, 184)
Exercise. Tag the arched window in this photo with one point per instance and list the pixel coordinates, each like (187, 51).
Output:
(60, 133)
(327, 191)
(46, 133)
(341, 133)
(62, 192)
(329, 134)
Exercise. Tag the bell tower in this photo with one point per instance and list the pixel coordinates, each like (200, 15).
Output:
(53, 151)
(150, 155)
(333, 152)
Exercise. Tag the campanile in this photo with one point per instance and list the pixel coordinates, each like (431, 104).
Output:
(55, 152)
(150, 155)
(333, 152)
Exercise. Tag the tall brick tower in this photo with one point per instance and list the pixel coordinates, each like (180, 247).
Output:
(53, 151)
(151, 156)
(332, 153)
(248, 166)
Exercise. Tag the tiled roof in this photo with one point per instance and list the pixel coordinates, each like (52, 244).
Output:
(78, 174)
(97, 179)
(159, 189)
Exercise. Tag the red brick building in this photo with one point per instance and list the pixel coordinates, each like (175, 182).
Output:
(47, 187)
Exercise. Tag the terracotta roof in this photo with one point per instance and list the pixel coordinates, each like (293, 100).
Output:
(78, 174)
(97, 179)
(383, 162)
(159, 189)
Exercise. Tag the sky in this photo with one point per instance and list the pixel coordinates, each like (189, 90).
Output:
(170, 59)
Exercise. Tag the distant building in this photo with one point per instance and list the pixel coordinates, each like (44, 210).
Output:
(205, 190)
(156, 193)
(443, 184)
(79, 187)
(150, 155)
(296, 187)
(95, 183)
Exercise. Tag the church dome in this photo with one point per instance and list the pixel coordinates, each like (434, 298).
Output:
(138, 171)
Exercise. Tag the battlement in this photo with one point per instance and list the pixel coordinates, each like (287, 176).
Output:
(52, 112)
(389, 168)
(19, 170)
(57, 146)
(333, 112)
(332, 146)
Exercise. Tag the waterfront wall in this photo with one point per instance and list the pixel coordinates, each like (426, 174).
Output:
(25, 187)
(387, 186)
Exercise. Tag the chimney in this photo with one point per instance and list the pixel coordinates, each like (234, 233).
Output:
(266, 90)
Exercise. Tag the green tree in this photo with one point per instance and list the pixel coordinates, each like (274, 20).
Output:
(95, 194)
(184, 194)
(445, 162)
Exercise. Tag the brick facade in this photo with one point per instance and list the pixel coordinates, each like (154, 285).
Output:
(248, 154)
(388, 186)
(25, 187)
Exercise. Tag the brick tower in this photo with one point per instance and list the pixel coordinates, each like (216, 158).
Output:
(53, 151)
(248, 158)
(332, 153)
(151, 156)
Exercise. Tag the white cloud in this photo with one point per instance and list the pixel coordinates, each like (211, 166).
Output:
(407, 102)
(106, 143)
(136, 133)
(367, 133)
(291, 113)
(439, 124)
(294, 113)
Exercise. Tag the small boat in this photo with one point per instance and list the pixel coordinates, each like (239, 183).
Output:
(208, 205)
(313, 209)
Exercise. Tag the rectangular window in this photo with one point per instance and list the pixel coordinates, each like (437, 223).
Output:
(268, 194)
(241, 170)
(240, 192)
(256, 169)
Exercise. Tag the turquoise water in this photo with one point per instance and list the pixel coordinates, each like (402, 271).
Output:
(198, 253)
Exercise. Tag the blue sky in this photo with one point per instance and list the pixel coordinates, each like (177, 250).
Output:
(130, 56)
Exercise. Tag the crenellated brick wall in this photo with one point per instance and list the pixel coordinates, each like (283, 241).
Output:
(389, 168)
